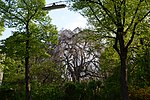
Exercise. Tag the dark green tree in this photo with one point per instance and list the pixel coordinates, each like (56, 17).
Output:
(139, 62)
(119, 20)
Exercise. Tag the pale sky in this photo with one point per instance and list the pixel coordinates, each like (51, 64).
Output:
(62, 18)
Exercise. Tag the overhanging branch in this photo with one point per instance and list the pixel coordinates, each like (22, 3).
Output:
(105, 9)
(115, 46)
(134, 28)
(107, 27)
(133, 18)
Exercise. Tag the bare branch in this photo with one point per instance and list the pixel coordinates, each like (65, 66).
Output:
(109, 37)
(132, 37)
(124, 11)
(144, 16)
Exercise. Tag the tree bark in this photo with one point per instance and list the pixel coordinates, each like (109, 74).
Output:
(27, 66)
(27, 71)
(123, 51)
(123, 75)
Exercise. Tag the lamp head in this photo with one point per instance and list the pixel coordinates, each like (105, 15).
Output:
(54, 6)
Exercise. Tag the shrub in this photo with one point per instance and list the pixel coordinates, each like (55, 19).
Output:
(139, 93)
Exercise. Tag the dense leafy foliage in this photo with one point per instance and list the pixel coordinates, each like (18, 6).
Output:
(83, 64)
(119, 20)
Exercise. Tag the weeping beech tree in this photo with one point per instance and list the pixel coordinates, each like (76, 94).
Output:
(79, 55)
(119, 20)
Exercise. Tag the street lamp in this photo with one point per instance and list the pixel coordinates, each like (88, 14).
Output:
(54, 6)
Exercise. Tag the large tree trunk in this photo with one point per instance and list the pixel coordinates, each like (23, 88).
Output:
(27, 71)
(123, 75)
(27, 66)
(123, 58)
(77, 72)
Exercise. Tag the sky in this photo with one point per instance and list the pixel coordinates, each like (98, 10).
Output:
(62, 18)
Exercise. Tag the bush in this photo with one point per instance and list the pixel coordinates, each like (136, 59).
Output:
(139, 93)
(47, 92)
(82, 91)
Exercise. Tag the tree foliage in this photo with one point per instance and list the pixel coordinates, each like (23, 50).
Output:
(33, 32)
(119, 20)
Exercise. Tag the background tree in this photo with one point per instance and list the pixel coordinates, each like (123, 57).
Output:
(1, 67)
(119, 20)
(1, 26)
(1, 19)
(79, 55)
(139, 64)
